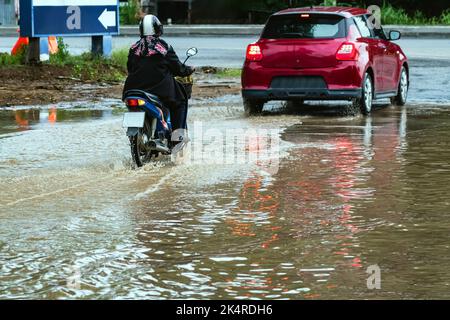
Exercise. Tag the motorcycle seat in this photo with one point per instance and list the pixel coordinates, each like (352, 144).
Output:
(145, 95)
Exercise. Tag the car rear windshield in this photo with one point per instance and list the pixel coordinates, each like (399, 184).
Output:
(305, 26)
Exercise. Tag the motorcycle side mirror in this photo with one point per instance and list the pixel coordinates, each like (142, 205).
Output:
(191, 52)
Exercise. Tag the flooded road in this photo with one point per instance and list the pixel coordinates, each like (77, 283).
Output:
(318, 199)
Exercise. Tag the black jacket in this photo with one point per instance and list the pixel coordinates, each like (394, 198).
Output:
(155, 74)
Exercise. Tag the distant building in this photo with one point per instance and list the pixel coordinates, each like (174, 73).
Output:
(149, 6)
(179, 11)
(8, 12)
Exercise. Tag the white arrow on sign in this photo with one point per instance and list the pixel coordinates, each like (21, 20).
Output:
(108, 18)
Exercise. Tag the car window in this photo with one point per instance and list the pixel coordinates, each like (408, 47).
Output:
(363, 27)
(376, 32)
(379, 33)
(311, 26)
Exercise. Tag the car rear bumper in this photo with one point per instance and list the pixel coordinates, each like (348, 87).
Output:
(340, 82)
(301, 94)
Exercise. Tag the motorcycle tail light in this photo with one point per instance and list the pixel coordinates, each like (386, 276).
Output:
(135, 102)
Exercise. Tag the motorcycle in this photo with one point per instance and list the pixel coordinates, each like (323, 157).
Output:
(148, 122)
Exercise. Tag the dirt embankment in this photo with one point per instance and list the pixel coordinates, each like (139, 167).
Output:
(47, 84)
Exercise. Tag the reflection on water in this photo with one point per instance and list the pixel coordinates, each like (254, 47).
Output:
(350, 192)
(26, 119)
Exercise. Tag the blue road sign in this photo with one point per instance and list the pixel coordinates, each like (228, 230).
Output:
(41, 18)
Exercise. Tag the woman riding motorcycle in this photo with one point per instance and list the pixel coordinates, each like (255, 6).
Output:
(152, 66)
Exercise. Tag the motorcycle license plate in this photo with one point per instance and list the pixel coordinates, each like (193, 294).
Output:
(134, 120)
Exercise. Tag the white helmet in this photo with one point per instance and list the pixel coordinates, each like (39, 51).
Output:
(151, 26)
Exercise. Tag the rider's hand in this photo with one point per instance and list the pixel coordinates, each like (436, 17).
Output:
(190, 70)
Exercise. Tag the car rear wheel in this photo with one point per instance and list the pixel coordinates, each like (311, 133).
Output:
(403, 86)
(253, 107)
(364, 104)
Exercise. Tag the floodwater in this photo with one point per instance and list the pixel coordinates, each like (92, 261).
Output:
(309, 203)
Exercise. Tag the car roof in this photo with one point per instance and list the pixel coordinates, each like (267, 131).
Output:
(347, 12)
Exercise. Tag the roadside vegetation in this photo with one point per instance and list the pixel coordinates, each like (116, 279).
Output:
(391, 15)
(129, 12)
(91, 68)
(8, 60)
(229, 73)
(406, 12)
(84, 67)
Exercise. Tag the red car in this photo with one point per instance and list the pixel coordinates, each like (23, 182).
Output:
(324, 53)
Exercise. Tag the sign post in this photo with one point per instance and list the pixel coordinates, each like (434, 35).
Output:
(98, 19)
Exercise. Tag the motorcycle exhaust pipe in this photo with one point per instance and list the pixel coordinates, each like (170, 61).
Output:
(154, 146)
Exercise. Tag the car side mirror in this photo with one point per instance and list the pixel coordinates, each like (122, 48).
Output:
(394, 35)
(191, 52)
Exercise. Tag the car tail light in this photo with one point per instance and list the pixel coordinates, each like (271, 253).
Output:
(254, 53)
(135, 102)
(347, 52)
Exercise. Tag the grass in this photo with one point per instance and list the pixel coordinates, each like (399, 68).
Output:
(229, 73)
(86, 67)
(120, 57)
(8, 60)
(94, 68)
(91, 67)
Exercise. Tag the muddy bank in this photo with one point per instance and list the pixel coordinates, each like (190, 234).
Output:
(46, 84)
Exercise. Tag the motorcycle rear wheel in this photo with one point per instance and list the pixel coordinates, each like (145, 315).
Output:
(139, 152)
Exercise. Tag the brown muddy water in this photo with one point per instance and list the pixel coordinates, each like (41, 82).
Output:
(341, 194)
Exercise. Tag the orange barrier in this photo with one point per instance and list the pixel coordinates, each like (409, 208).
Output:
(19, 44)
(24, 41)
(52, 45)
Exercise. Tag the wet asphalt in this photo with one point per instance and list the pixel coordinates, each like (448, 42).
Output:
(297, 203)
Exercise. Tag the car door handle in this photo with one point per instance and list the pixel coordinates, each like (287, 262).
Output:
(382, 46)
